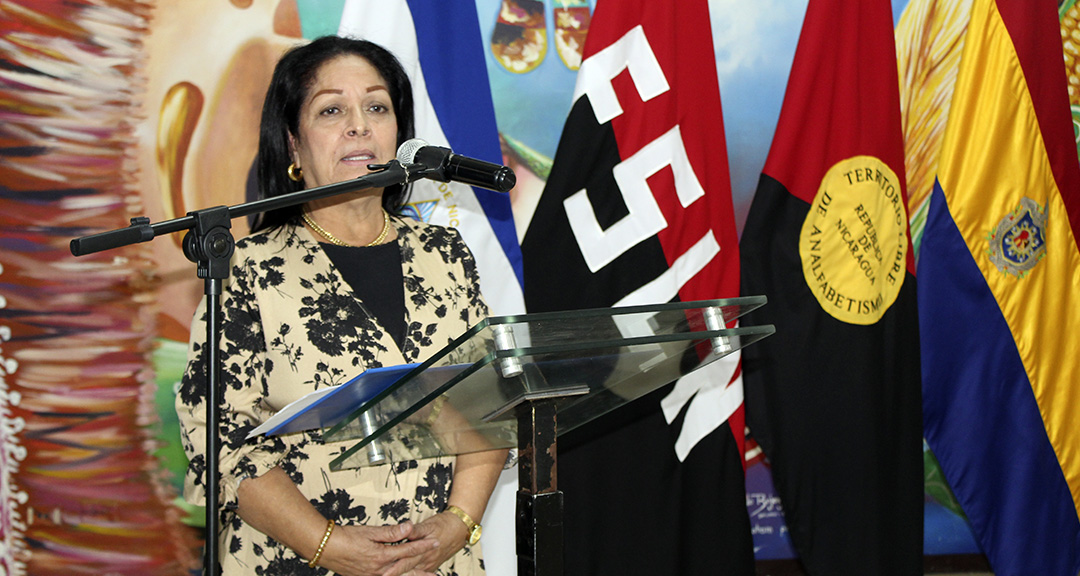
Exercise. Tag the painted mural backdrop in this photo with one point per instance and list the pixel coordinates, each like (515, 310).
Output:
(113, 109)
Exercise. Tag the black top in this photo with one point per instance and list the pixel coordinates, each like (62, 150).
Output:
(374, 273)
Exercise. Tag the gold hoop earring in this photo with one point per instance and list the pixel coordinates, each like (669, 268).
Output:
(295, 174)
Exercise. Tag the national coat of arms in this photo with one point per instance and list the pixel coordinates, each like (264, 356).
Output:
(1019, 241)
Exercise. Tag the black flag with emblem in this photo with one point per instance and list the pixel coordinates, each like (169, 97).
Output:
(834, 396)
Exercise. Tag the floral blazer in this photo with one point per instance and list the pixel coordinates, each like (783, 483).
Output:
(291, 325)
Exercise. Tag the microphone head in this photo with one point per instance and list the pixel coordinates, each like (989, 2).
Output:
(406, 153)
(504, 180)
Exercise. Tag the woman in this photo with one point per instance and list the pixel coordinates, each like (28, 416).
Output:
(317, 295)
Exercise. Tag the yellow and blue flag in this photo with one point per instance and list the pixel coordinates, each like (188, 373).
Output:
(999, 294)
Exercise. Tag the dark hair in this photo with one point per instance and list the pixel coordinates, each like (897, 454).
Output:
(289, 87)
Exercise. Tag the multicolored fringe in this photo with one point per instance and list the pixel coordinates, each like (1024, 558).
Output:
(81, 490)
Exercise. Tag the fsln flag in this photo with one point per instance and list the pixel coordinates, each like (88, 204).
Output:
(833, 397)
(999, 294)
(637, 210)
(440, 46)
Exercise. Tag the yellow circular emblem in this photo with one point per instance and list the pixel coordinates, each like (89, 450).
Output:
(853, 243)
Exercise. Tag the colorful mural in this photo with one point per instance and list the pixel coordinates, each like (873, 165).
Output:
(83, 491)
(114, 109)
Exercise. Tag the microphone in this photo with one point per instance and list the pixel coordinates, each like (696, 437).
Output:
(443, 165)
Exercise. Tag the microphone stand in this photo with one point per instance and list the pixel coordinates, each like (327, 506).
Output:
(209, 243)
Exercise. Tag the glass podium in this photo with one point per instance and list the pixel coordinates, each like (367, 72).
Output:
(519, 382)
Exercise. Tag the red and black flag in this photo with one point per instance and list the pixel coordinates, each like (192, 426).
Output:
(637, 210)
(834, 396)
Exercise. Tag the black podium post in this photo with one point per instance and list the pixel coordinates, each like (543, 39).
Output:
(539, 512)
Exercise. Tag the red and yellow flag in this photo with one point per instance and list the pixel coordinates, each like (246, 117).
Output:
(999, 294)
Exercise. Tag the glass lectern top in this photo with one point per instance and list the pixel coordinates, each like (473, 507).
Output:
(589, 362)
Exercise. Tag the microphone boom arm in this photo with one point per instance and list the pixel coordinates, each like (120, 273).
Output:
(141, 230)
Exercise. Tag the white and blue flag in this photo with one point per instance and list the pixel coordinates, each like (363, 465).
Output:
(440, 46)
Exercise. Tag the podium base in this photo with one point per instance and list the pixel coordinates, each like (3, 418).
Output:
(540, 534)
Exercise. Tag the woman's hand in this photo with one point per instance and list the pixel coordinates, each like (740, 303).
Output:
(475, 475)
(448, 531)
(272, 504)
(378, 550)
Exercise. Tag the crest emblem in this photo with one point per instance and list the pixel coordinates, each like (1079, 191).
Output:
(1019, 241)
(421, 210)
(854, 240)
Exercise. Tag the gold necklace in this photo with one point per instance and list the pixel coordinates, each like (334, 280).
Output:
(338, 242)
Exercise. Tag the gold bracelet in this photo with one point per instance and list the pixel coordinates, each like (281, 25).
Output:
(473, 528)
(326, 536)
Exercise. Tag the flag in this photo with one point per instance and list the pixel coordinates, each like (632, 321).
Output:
(440, 47)
(833, 397)
(999, 294)
(637, 209)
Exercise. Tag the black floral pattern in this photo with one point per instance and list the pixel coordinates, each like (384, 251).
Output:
(435, 491)
(395, 510)
(284, 345)
(291, 325)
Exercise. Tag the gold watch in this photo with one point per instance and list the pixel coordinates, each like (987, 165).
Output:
(473, 527)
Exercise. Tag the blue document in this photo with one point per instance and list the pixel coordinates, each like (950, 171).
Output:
(329, 406)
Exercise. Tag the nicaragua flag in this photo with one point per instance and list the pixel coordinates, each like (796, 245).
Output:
(999, 294)
(440, 46)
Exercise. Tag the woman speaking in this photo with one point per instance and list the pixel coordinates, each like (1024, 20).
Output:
(318, 294)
